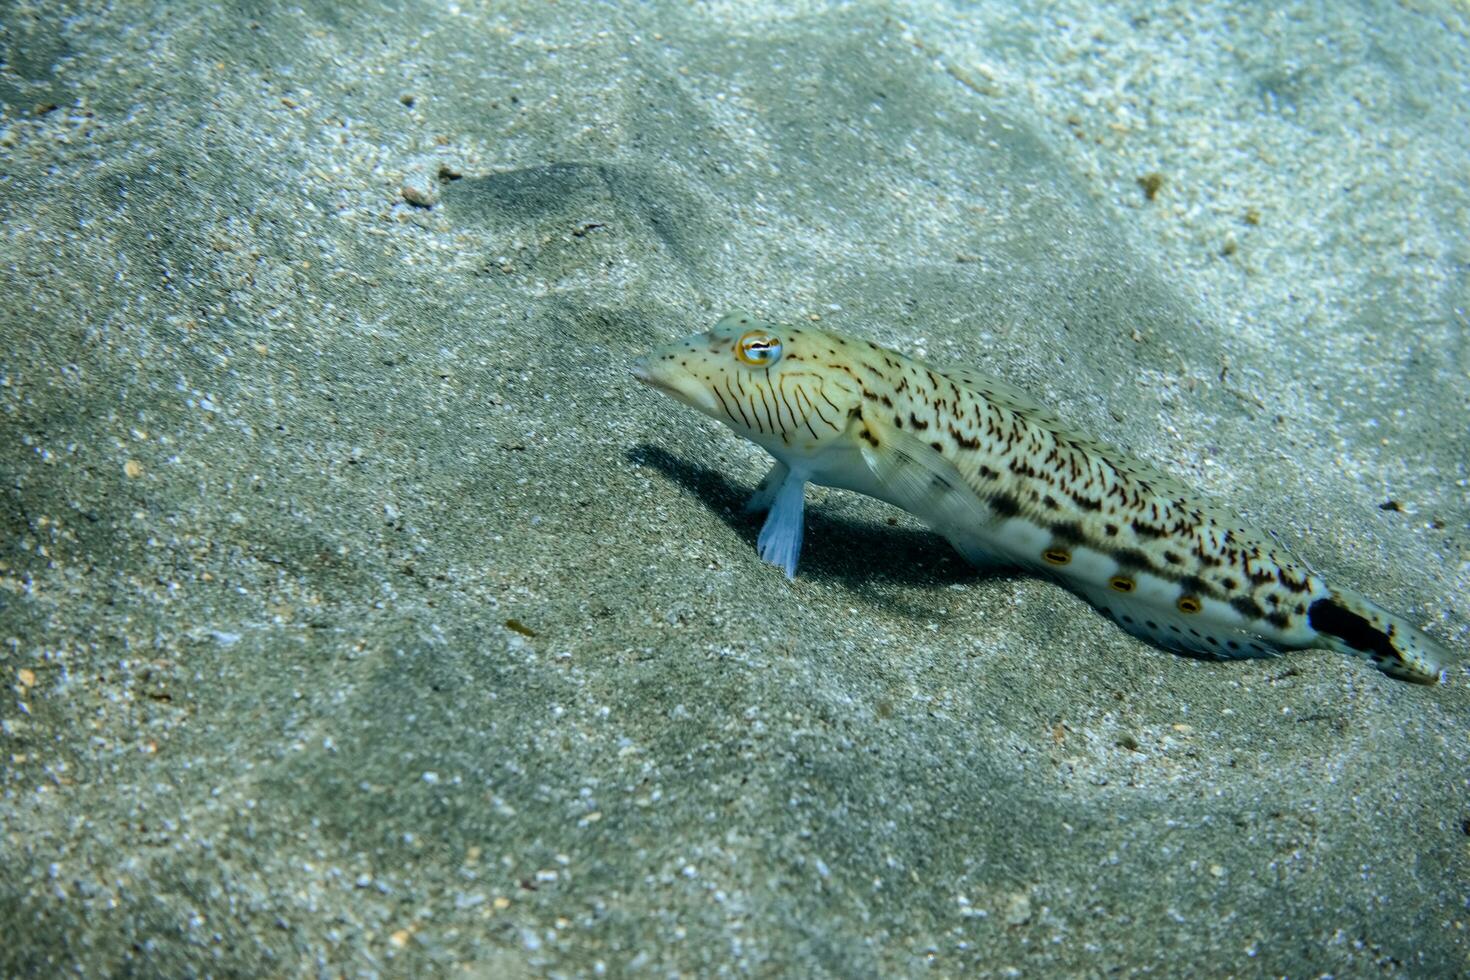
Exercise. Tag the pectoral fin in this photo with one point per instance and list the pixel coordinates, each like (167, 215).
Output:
(925, 482)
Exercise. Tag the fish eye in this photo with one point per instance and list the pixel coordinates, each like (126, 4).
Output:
(759, 348)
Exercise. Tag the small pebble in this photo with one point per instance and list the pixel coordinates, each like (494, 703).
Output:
(421, 190)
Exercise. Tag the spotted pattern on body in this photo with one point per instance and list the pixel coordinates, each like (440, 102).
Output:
(1006, 481)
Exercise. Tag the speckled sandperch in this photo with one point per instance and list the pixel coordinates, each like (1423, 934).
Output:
(1007, 482)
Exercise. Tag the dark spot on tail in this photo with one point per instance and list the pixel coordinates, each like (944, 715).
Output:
(1327, 616)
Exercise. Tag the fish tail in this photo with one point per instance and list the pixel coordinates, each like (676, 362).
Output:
(1347, 622)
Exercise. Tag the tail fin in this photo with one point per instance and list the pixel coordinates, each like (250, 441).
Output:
(1348, 623)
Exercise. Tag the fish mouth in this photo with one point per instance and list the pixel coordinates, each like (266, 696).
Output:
(643, 372)
(679, 387)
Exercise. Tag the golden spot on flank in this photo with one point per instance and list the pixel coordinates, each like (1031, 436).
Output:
(1189, 604)
(1056, 556)
(1121, 583)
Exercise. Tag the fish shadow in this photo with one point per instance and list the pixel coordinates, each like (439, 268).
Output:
(859, 554)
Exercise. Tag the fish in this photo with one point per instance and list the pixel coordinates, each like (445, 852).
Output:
(1009, 484)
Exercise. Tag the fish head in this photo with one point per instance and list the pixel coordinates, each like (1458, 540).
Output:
(775, 384)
